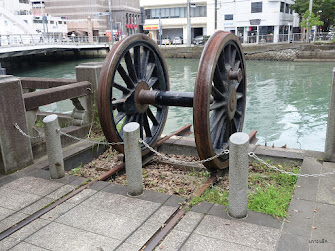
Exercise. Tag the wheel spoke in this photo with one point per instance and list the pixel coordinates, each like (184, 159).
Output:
(144, 62)
(238, 114)
(118, 101)
(237, 65)
(216, 93)
(217, 105)
(216, 118)
(139, 119)
(150, 68)
(158, 106)
(126, 121)
(130, 67)
(121, 88)
(218, 81)
(239, 95)
(125, 77)
(146, 125)
(152, 117)
(233, 126)
(119, 117)
(236, 124)
(137, 61)
(219, 135)
(233, 57)
(152, 81)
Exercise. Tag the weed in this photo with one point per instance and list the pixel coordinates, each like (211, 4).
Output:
(39, 123)
(196, 200)
(76, 171)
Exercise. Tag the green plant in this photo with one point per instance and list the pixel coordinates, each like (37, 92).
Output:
(77, 170)
(39, 123)
(196, 200)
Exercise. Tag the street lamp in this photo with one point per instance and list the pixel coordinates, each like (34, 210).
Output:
(189, 6)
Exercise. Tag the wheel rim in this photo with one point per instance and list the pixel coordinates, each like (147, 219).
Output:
(134, 64)
(221, 74)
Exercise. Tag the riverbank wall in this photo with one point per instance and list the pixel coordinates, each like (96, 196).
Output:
(277, 52)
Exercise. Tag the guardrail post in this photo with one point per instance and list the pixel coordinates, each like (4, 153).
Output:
(133, 158)
(90, 72)
(15, 148)
(54, 147)
(238, 175)
(330, 135)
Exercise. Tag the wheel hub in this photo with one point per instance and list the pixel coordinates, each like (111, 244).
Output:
(132, 104)
(232, 101)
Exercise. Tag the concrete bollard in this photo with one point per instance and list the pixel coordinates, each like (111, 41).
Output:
(238, 175)
(133, 158)
(330, 135)
(54, 147)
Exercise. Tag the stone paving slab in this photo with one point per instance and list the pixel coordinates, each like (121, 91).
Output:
(58, 211)
(31, 228)
(290, 241)
(242, 233)
(27, 247)
(324, 223)
(103, 223)
(199, 242)
(8, 243)
(306, 187)
(11, 220)
(122, 205)
(16, 200)
(34, 185)
(56, 236)
(173, 241)
(301, 216)
(128, 247)
(326, 191)
(5, 212)
(37, 205)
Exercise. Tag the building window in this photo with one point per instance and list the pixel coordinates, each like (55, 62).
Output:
(256, 7)
(287, 9)
(60, 22)
(282, 7)
(37, 21)
(52, 22)
(180, 12)
(229, 17)
(24, 1)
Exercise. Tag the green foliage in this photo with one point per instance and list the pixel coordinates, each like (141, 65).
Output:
(310, 20)
(77, 170)
(196, 200)
(39, 123)
(324, 8)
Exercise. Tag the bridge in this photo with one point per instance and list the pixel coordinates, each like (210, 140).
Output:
(23, 45)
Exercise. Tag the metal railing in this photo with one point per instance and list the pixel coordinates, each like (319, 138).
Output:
(38, 39)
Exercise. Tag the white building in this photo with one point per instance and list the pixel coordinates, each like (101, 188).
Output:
(270, 19)
(16, 17)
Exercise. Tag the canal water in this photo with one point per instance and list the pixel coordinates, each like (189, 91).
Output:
(287, 102)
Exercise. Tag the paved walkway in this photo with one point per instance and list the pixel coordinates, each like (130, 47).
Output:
(103, 217)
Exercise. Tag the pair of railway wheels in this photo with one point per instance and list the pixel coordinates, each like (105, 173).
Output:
(134, 87)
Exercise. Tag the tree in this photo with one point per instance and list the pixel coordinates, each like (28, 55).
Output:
(324, 8)
(310, 20)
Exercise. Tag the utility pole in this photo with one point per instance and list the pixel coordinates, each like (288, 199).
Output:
(43, 20)
(160, 29)
(310, 12)
(188, 23)
(111, 18)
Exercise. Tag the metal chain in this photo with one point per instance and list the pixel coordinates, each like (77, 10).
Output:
(91, 141)
(253, 155)
(24, 134)
(180, 161)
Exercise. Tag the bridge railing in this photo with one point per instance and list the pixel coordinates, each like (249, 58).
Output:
(38, 39)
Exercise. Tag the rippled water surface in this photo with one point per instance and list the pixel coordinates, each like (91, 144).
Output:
(287, 102)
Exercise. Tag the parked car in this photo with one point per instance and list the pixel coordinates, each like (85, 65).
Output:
(198, 40)
(177, 40)
(166, 40)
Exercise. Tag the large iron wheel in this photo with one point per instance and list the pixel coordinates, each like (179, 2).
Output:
(134, 64)
(221, 75)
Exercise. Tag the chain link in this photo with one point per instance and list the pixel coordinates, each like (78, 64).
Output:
(91, 141)
(180, 161)
(253, 155)
(24, 134)
(224, 152)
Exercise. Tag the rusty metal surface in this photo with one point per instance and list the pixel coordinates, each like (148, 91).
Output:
(33, 100)
(135, 59)
(221, 73)
(44, 83)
